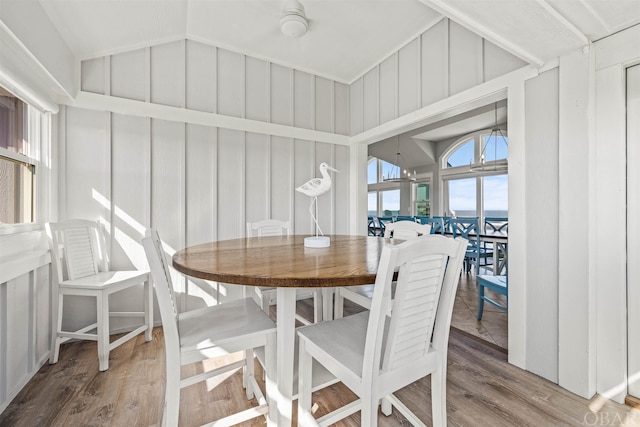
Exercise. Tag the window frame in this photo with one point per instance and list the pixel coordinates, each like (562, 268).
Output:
(35, 132)
(448, 174)
(381, 186)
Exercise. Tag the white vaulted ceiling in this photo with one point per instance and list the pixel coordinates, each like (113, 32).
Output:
(345, 37)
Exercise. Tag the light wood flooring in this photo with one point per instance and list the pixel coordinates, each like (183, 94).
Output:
(494, 324)
(482, 390)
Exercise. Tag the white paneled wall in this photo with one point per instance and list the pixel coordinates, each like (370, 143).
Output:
(445, 60)
(197, 183)
(542, 213)
(24, 330)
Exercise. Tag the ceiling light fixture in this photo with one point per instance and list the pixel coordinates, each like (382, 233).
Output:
(293, 22)
(495, 137)
(398, 173)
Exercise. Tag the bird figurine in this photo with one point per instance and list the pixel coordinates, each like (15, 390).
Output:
(314, 188)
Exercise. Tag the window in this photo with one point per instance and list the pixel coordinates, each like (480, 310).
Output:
(470, 148)
(462, 197)
(496, 195)
(482, 193)
(17, 169)
(495, 147)
(463, 156)
(372, 171)
(384, 197)
(390, 202)
(373, 204)
(421, 199)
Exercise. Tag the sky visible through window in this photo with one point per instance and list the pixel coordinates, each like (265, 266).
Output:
(463, 156)
(496, 148)
(496, 195)
(462, 196)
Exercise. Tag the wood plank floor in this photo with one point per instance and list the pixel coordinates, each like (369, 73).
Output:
(493, 328)
(483, 390)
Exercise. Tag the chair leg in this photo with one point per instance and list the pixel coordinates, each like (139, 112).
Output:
(56, 327)
(439, 396)
(338, 310)
(369, 411)
(148, 310)
(480, 301)
(304, 386)
(172, 394)
(270, 380)
(317, 306)
(385, 406)
(248, 372)
(103, 331)
(264, 302)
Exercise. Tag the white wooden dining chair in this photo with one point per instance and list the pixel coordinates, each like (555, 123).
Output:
(80, 266)
(375, 355)
(266, 295)
(208, 333)
(361, 295)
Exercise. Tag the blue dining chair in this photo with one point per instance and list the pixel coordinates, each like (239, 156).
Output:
(437, 224)
(382, 222)
(499, 285)
(445, 221)
(404, 218)
(470, 230)
(494, 224)
(372, 228)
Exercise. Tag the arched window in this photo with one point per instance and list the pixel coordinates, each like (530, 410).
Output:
(472, 191)
(469, 149)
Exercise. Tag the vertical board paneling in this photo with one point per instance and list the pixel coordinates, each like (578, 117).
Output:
(230, 184)
(464, 56)
(230, 83)
(498, 62)
(92, 75)
(324, 105)
(409, 78)
(257, 89)
(326, 201)
(633, 229)
(4, 348)
(257, 177)
(167, 161)
(281, 95)
(200, 204)
(435, 59)
(130, 189)
(17, 325)
(371, 96)
(342, 189)
(200, 77)
(388, 89)
(168, 74)
(87, 164)
(356, 107)
(281, 175)
(305, 168)
(201, 182)
(541, 152)
(42, 313)
(341, 109)
(128, 75)
(303, 100)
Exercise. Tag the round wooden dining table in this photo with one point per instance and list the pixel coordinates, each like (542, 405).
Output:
(284, 262)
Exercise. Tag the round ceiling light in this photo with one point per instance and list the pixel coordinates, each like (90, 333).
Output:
(293, 22)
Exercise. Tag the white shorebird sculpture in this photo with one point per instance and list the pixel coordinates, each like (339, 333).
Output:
(313, 188)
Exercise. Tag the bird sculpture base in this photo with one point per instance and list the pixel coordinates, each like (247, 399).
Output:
(317, 242)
